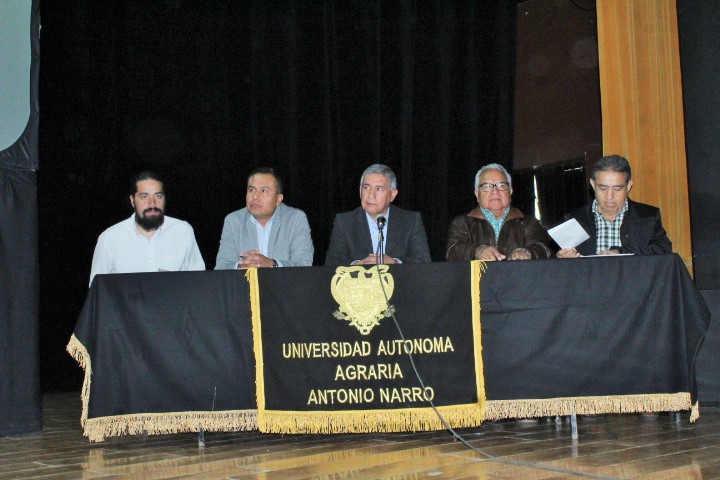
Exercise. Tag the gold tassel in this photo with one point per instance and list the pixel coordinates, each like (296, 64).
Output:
(695, 412)
(252, 277)
(477, 268)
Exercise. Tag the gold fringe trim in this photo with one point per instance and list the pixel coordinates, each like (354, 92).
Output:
(78, 351)
(97, 429)
(661, 402)
(477, 268)
(368, 421)
(252, 277)
(371, 421)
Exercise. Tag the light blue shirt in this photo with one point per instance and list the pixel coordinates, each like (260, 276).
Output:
(496, 223)
(374, 231)
(263, 234)
(288, 241)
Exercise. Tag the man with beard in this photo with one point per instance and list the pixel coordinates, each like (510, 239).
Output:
(148, 241)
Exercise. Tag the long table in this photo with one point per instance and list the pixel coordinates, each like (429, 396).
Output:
(170, 352)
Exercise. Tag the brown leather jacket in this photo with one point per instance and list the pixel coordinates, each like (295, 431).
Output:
(467, 232)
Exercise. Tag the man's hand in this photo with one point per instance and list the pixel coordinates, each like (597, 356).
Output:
(488, 253)
(253, 258)
(520, 254)
(372, 259)
(609, 252)
(567, 253)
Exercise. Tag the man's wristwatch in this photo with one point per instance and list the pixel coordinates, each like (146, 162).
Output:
(275, 264)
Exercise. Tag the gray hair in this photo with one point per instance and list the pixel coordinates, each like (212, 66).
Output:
(492, 166)
(613, 163)
(383, 170)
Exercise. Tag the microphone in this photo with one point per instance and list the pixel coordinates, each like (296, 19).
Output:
(381, 222)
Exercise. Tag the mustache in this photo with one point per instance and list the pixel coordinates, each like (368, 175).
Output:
(152, 209)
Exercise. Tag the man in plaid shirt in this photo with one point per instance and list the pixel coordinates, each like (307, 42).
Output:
(615, 223)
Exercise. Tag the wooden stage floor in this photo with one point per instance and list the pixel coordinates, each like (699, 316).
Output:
(612, 446)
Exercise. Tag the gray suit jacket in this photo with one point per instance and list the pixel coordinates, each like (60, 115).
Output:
(290, 242)
(350, 239)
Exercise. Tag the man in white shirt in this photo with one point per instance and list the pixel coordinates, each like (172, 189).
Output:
(266, 233)
(148, 241)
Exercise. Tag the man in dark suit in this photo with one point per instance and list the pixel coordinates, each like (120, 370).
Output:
(355, 235)
(615, 223)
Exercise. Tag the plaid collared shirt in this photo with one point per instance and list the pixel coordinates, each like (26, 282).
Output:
(608, 233)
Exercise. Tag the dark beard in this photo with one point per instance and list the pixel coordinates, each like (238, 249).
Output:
(150, 223)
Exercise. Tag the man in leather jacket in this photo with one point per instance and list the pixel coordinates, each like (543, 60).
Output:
(494, 230)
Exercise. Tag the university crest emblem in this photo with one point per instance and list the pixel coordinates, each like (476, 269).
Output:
(359, 293)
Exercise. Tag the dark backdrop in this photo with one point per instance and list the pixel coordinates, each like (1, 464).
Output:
(700, 60)
(206, 90)
(557, 86)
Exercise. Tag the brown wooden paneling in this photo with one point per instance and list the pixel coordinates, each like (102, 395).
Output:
(642, 109)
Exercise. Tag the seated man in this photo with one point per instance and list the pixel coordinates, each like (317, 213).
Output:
(355, 234)
(615, 223)
(148, 241)
(494, 230)
(266, 233)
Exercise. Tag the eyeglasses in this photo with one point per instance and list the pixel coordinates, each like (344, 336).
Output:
(488, 187)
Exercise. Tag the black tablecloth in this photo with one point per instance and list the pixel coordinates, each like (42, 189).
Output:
(590, 326)
(168, 342)
(157, 344)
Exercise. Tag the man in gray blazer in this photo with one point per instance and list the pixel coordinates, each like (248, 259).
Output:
(355, 235)
(266, 233)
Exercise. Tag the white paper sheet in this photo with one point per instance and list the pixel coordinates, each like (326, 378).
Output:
(569, 234)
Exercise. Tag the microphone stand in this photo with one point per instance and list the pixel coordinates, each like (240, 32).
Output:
(380, 253)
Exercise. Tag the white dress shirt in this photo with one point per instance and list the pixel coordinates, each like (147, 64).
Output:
(121, 249)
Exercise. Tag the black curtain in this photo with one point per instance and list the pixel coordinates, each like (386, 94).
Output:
(523, 196)
(20, 403)
(562, 188)
(699, 50)
(19, 366)
(206, 91)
